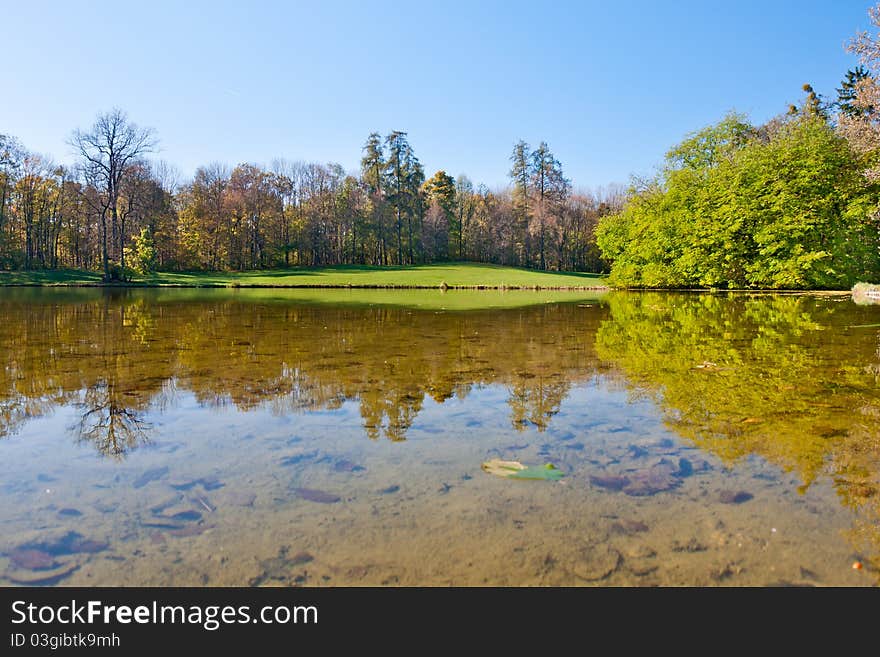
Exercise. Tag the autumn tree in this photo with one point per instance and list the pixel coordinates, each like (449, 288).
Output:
(283, 184)
(118, 208)
(440, 198)
(202, 220)
(11, 156)
(161, 212)
(251, 204)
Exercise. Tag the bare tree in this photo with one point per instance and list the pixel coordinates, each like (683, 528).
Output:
(166, 175)
(107, 150)
(106, 422)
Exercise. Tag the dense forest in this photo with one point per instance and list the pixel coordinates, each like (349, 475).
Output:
(791, 203)
(115, 210)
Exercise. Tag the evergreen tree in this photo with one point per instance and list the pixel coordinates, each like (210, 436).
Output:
(404, 176)
(395, 175)
(550, 189)
(847, 93)
(373, 172)
(415, 178)
(520, 175)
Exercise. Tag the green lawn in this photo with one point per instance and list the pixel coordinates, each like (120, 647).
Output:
(467, 275)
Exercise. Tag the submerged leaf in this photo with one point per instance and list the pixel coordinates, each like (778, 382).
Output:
(516, 470)
(547, 471)
(502, 468)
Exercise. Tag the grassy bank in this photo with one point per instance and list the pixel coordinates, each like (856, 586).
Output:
(453, 275)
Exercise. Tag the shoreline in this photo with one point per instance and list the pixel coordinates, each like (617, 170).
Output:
(359, 286)
(379, 286)
(416, 286)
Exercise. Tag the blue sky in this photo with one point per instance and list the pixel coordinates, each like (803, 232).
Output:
(609, 85)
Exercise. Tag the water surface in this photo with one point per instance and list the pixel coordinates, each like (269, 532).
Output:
(285, 437)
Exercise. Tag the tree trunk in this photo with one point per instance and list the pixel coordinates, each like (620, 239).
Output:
(3, 201)
(410, 239)
(104, 260)
(121, 222)
(399, 240)
(543, 263)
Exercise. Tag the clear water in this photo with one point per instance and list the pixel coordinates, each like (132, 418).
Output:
(221, 437)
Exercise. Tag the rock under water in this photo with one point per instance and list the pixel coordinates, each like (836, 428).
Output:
(150, 475)
(609, 482)
(734, 496)
(32, 559)
(319, 496)
(659, 477)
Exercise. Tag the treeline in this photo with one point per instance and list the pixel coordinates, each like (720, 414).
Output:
(792, 203)
(115, 210)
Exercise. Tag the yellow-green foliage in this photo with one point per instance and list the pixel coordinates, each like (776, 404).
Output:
(753, 375)
(783, 206)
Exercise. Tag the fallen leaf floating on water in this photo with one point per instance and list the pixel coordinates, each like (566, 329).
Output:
(516, 470)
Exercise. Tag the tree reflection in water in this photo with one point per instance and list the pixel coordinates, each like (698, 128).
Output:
(108, 425)
(792, 379)
(125, 354)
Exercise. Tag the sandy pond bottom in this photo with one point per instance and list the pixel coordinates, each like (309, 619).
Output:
(223, 497)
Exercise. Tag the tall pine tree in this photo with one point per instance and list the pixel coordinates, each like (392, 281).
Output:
(520, 175)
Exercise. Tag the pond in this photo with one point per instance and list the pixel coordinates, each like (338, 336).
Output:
(336, 437)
